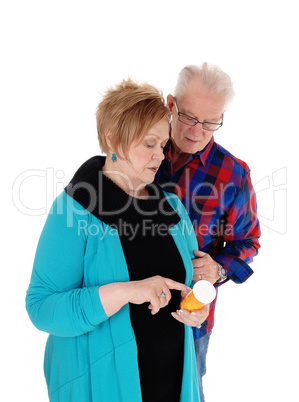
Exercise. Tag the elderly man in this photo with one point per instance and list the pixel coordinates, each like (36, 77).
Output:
(214, 186)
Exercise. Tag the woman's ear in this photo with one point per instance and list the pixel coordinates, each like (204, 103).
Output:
(112, 148)
(108, 136)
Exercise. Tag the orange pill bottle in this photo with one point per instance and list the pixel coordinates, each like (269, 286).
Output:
(203, 293)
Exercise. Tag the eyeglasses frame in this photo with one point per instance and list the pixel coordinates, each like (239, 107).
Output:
(195, 120)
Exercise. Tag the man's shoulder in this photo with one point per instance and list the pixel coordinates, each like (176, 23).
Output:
(232, 162)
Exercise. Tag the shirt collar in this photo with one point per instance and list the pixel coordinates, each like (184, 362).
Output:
(204, 153)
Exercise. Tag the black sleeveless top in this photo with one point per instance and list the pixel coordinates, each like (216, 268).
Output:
(149, 249)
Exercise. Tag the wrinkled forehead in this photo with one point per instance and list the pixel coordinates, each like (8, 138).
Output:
(199, 99)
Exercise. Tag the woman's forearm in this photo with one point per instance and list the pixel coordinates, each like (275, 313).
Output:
(114, 296)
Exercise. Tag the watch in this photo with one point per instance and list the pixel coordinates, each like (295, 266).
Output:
(222, 273)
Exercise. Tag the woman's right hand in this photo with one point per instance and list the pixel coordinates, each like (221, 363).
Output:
(150, 290)
(115, 295)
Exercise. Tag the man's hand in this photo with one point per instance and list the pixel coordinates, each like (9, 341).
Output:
(204, 267)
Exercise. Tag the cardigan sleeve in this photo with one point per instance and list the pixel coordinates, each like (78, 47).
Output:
(57, 301)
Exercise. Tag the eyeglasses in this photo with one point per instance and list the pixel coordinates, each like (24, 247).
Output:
(191, 121)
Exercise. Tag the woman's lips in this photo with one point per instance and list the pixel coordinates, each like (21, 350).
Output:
(153, 169)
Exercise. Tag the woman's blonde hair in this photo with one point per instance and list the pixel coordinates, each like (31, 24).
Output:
(126, 112)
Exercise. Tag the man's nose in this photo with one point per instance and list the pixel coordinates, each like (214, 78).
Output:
(197, 129)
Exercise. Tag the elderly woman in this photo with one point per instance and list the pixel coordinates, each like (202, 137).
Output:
(112, 261)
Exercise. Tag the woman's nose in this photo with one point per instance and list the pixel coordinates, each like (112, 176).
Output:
(159, 154)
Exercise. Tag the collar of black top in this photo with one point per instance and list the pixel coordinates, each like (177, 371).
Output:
(109, 203)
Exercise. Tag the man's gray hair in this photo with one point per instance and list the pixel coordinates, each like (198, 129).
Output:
(211, 77)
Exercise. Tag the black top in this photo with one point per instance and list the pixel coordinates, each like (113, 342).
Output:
(149, 249)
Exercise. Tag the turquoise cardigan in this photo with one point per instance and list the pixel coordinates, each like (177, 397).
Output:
(89, 356)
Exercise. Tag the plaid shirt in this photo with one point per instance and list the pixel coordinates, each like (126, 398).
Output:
(217, 192)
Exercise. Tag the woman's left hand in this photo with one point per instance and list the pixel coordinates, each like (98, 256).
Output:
(194, 319)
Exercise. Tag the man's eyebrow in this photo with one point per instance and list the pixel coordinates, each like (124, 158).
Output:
(189, 113)
(212, 120)
(215, 119)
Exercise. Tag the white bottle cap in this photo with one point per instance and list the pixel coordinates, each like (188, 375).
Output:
(204, 291)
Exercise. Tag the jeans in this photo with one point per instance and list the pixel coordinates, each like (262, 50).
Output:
(201, 349)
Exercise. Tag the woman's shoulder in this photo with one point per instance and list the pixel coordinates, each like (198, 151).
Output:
(66, 212)
(86, 175)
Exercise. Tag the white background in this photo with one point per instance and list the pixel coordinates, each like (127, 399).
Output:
(56, 59)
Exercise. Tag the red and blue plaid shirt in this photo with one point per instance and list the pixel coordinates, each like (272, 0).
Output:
(216, 190)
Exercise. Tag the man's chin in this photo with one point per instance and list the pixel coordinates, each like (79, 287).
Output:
(192, 148)
(188, 146)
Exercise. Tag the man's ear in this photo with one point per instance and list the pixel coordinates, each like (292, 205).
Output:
(170, 102)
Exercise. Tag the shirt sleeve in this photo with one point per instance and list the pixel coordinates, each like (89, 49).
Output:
(241, 235)
(57, 301)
